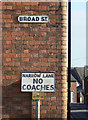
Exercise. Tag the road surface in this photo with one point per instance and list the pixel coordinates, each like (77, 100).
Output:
(79, 111)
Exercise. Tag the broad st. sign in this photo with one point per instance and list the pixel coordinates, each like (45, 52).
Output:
(33, 19)
(38, 82)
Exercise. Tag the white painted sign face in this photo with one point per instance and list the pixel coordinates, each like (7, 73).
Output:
(38, 82)
(33, 19)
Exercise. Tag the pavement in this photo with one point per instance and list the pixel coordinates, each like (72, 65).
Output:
(79, 111)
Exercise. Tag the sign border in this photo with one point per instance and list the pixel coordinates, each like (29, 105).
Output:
(33, 21)
(37, 91)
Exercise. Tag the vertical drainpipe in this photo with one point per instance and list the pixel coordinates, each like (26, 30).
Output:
(69, 56)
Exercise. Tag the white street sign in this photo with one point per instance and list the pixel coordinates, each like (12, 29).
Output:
(38, 82)
(33, 19)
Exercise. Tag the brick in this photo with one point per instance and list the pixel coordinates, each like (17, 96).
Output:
(7, 25)
(59, 42)
(6, 16)
(9, 55)
(6, 33)
(26, 51)
(43, 25)
(43, 33)
(52, 4)
(8, 59)
(44, 111)
(3, 7)
(52, 12)
(9, 7)
(44, 8)
(6, 116)
(53, 108)
(53, 98)
(7, 21)
(8, 42)
(17, 7)
(17, 33)
(7, 68)
(26, 59)
(9, 37)
(18, 12)
(26, 112)
(27, 7)
(8, 51)
(52, 38)
(27, 38)
(63, 4)
(53, 21)
(43, 60)
(29, 3)
(17, 64)
(26, 25)
(35, 55)
(8, 77)
(34, 42)
(14, 77)
(18, 3)
(64, 8)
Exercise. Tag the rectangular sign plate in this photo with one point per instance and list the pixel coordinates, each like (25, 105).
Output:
(33, 19)
(38, 82)
(36, 95)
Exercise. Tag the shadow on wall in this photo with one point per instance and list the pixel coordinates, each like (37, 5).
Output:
(15, 103)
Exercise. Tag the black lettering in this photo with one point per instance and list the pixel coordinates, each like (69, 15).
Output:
(33, 87)
(38, 87)
(24, 88)
(38, 75)
(47, 87)
(40, 81)
(52, 87)
(35, 81)
(48, 76)
(42, 18)
(29, 18)
(23, 75)
(37, 18)
(43, 87)
(26, 75)
(45, 18)
(25, 18)
(33, 19)
(35, 75)
(28, 87)
(21, 18)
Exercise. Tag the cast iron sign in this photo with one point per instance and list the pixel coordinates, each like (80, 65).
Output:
(38, 82)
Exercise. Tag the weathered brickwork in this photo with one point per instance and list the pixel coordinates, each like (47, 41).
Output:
(0, 61)
(33, 48)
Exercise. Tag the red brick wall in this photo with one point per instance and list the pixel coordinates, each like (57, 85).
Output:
(0, 60)
(74, 89)
(33, 48)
